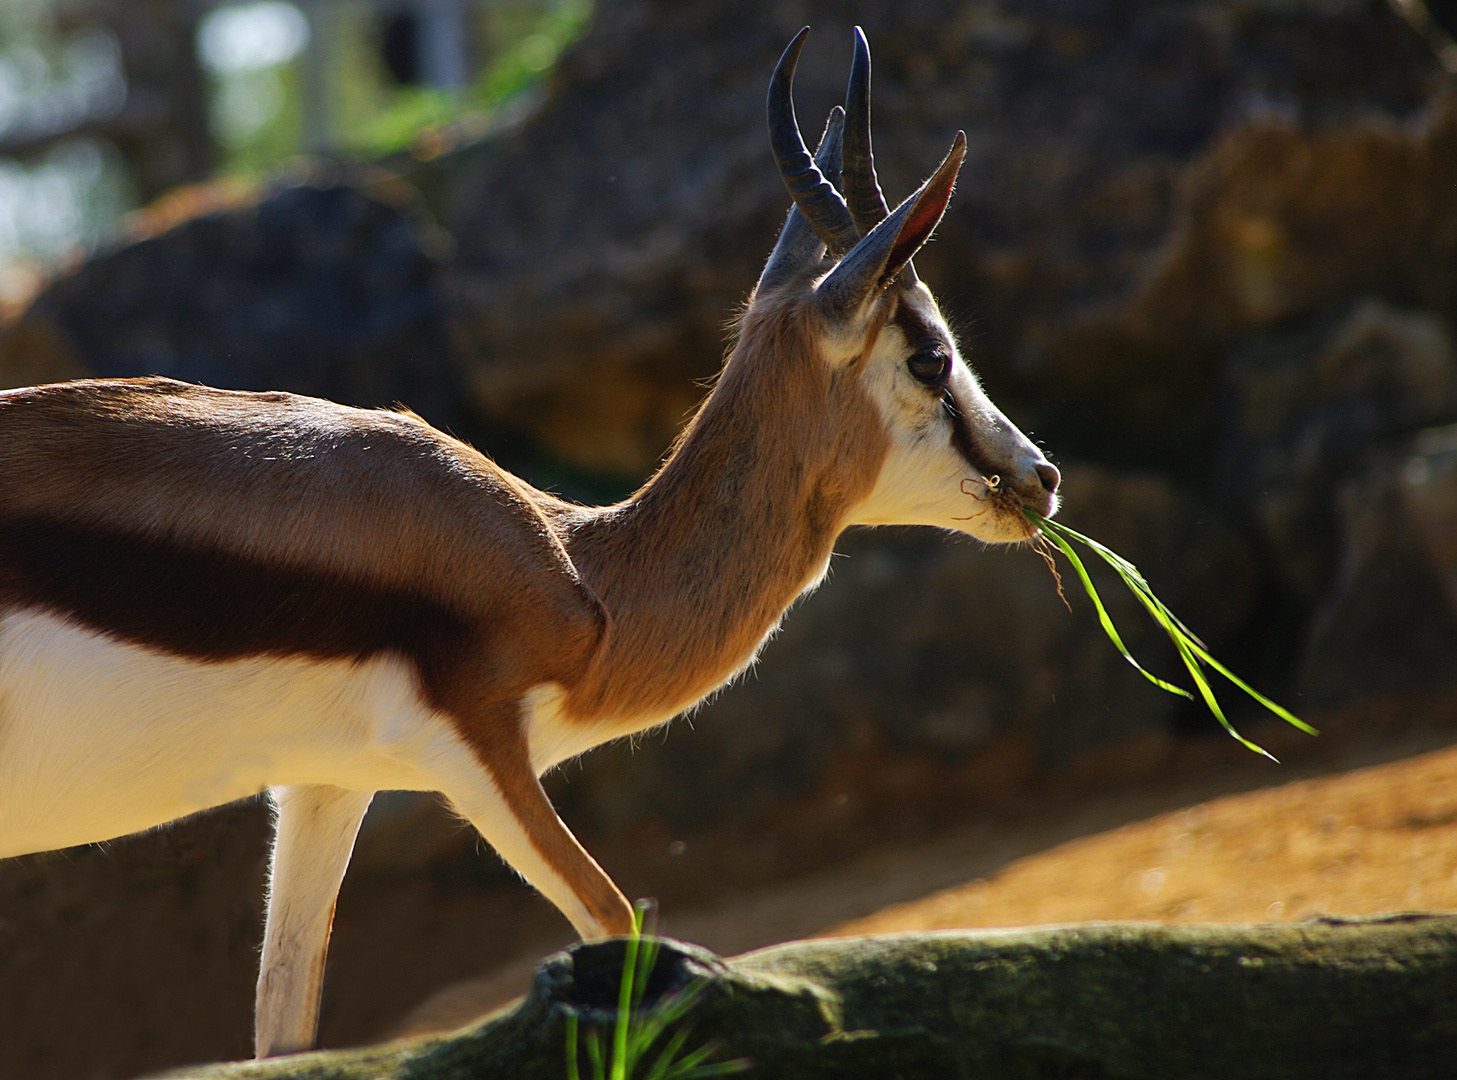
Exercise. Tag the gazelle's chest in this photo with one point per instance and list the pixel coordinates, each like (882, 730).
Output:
(649, 676)
(554, 737)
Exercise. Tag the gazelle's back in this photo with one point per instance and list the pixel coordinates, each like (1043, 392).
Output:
(204, 593)
(274, 478)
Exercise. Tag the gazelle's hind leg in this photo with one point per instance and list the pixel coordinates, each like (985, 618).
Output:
(315, 835)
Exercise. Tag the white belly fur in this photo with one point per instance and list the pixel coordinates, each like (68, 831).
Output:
(99, 738)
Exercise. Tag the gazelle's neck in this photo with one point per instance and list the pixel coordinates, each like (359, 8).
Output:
(697, 568)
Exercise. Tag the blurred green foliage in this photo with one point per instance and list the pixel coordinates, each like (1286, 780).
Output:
(528, 47)
(259, 115)
(61, 185)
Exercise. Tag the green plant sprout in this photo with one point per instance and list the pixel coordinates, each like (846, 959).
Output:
(632, 1038)
(1191, 650)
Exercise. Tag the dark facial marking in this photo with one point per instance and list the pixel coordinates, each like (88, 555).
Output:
(923, 336)
(207, 605)
(963, 439)
(925, 340)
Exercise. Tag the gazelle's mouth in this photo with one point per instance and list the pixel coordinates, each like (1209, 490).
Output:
(1042, 502)
(992, 500)
(985, 491)
(1030, 494)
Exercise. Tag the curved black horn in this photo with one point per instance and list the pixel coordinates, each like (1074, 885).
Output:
(862, 189)
(814, 196)
(875, 261)
(798, 243)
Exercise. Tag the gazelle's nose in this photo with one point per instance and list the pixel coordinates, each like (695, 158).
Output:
(1049, 476)
(1036, 481)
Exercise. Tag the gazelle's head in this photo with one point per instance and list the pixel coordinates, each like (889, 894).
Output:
(844, 261)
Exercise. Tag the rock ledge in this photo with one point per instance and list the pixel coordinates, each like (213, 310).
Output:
(1328, 998)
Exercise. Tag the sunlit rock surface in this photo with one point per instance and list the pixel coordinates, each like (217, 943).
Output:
(1143, 186)
(1319, 1000)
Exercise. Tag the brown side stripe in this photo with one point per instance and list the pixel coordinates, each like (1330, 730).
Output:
(210, 605)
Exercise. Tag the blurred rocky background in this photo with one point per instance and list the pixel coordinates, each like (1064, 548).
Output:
(1205, 253)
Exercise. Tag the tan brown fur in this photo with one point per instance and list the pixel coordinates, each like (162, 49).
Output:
(238, 590)
(698, 567)
(376, 498)
(344, 503)
(499, 741)
(695, 569)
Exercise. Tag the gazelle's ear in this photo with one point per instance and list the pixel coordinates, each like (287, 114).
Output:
(798, 243)
(874, 262)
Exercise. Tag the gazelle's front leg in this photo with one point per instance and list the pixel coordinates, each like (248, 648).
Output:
(315, 835)
(493, 785)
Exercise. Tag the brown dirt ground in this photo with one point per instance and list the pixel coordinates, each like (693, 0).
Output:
(1382, 838)
(123, 959)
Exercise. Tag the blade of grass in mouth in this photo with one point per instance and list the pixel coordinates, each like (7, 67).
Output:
(1191, 650)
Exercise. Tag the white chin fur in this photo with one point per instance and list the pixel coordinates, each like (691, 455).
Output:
(924, 479)
(947, 498)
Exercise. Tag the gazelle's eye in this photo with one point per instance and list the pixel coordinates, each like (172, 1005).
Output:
(931, 366)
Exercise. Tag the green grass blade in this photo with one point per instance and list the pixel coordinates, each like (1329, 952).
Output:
(572, 1073)
(1181, 636)
(645, 921)
(1207, 693)
(1279, 710)
(1183, 643)
(721, 1068)
(632, 1037)
(647, 1030)
(647, 957)
(640, 954)
(1192, 652)
(1106, 619)
(695, 1065)
(594, 1055)
(692, 1064)
(667, 1063)
(643, 1034)
(1130, 573)
(668, 1013)
(624, 1007)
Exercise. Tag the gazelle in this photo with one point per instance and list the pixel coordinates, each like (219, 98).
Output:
(205, 594)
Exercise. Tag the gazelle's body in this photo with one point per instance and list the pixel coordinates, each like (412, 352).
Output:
(206, 594)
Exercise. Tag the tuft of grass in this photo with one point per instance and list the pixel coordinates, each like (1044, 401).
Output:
(622, 1053)
(1191, 650)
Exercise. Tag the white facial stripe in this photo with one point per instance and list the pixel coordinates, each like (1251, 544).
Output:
(925, 480)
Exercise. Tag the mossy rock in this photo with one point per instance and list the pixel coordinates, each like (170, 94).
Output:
(1327, 998)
